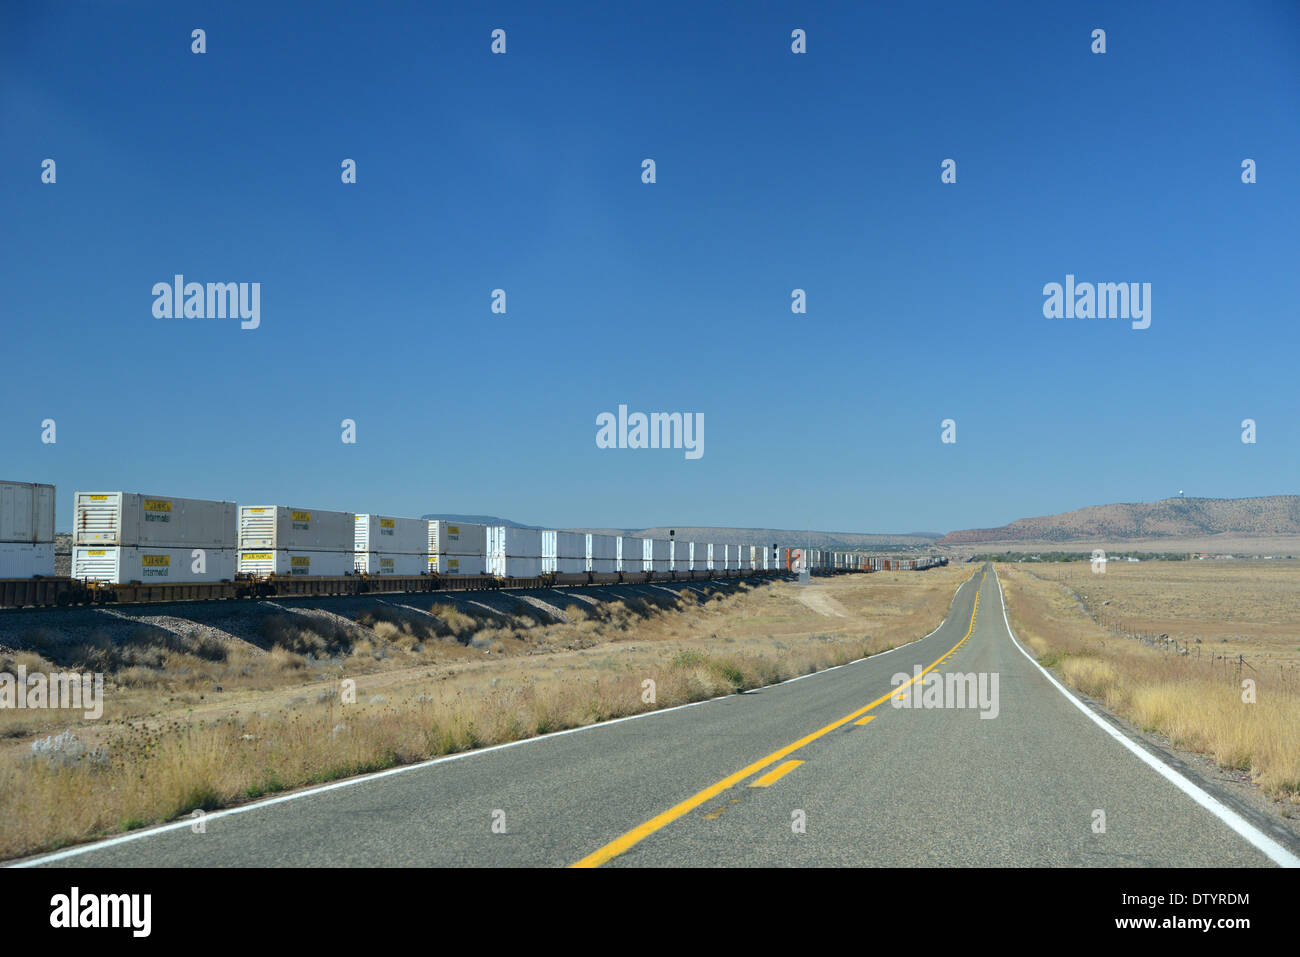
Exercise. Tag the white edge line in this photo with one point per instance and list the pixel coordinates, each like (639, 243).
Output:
(1255, 837)
(345, 782)
(376, 775)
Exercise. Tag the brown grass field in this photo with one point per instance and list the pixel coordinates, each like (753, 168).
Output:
(1173, 647)
(194, 722)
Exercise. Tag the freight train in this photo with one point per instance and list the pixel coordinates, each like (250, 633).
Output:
(132, 547)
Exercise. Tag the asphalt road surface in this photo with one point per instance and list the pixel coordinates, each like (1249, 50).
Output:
(819, 771)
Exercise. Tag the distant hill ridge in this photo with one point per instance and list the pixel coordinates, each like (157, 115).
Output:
(1180, 517)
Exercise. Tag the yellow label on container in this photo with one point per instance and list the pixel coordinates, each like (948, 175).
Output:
(386, 563)
(99, 498)
(257, 556)
(155, 561)
(157, 505)
(255, 511)
(299, 561)
(387, 523)
(301, 516)
(453, 529)
(97, 553)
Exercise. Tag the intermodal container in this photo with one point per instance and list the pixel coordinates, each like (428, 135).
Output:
(654, 555)
(391, 546)
(564, 552)
(26, 560)
(130, 519)
(26, 514)
(602, 553)
(514, 552)
(631, 554)
(281, 527)
(318, 563)
(457, 548)
(151, 564)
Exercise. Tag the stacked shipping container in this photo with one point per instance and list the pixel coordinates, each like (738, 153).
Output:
(602, 553)
(280, 540)
(121, 537)
(391, 546)
(654, 554)
(26, 530)
(564, 552)
(631, 554)
(457, 548)
(514, 552)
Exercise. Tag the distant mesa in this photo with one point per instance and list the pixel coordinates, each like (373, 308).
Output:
(1171, 518)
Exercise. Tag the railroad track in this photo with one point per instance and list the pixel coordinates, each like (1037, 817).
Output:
(61, 592)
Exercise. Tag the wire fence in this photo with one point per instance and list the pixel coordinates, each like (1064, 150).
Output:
(1196, 653)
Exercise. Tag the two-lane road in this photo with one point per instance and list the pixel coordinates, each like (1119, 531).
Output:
(822, 770)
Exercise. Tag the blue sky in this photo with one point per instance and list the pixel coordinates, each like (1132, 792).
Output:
(775, 171)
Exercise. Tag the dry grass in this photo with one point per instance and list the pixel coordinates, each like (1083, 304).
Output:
(432, 684)
(1105, 638)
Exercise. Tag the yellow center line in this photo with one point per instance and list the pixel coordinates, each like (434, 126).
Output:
(867, 720)
(771, 777)
(662, 820)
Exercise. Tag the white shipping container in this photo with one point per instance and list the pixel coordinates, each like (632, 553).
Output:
(389, 563)
(281, 528)
(26, 514)
(152, 564)
(514, 552)
(458, 564)
(679, 555)
(602, 553)
(564, 552)
(23, 560)
(392, 536)
(132, 518)
(457, 548)
(515, 567)
(631, 554)
(654, 555)
(296, 562)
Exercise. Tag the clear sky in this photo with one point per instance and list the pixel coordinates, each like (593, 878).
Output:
(775, 171)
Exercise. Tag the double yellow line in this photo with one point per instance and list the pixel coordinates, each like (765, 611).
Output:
(660, 821)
